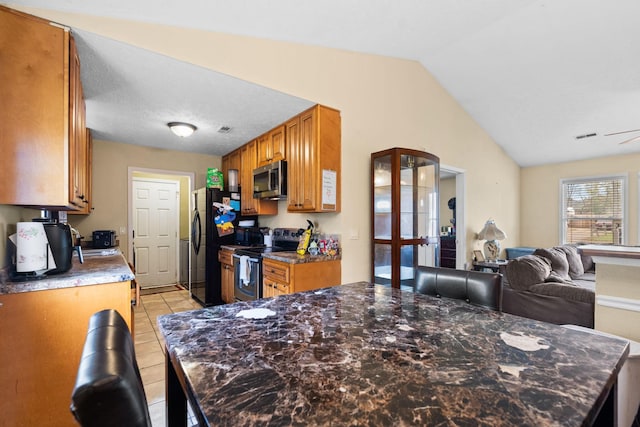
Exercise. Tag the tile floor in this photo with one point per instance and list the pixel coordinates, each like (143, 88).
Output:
(149, 346)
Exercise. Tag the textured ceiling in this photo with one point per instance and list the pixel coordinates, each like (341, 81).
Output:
(534, 74)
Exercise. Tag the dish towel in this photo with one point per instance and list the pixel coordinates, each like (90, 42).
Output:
(245, 270)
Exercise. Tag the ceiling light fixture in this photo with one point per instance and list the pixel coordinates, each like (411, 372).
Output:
(183, 130)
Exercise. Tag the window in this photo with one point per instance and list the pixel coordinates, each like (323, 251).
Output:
(593, 210)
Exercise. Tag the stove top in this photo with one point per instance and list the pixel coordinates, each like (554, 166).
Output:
(262, 250)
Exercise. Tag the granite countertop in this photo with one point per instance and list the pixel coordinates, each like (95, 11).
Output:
(293, 257)
(100, 266)
(364, 354)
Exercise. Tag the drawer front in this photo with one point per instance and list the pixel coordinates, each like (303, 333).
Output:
(225, 257)
(275, 271)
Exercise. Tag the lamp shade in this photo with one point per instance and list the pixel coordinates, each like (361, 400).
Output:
(491, 232)
(182, 129)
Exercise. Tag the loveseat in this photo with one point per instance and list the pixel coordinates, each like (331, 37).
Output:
(555, 285)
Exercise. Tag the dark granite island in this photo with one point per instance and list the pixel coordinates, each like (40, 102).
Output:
(362, 354)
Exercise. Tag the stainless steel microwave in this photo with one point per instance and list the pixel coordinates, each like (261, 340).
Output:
(270, 181)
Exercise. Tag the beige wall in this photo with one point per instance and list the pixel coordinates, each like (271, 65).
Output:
(540, 196)
(111, 162)
(385, 102)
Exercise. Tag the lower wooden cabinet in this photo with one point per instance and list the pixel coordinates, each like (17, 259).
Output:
(225, 256)
(280, 278)
(43, 333)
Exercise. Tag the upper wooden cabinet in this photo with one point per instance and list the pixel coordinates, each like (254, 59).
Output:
(312, 144)
(85, 171)
(43, 119)
(313, 157)
(272, 146)
(232, 161)
(249, 205)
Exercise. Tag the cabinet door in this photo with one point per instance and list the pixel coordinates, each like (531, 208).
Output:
(249, 205)
(78, 139)
(227, 275)
(278, 143)
(313, 148)
(271, 146)
(232, 161)
(34, 166)
(294, 165)
(248, 162)
(308, 157)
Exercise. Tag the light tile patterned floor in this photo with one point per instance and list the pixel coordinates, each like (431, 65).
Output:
(149, 345)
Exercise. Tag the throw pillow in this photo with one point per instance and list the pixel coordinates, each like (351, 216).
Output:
(528, 270)
(576, 269)
(558, 260)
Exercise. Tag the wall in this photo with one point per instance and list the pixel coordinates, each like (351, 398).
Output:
(385, 102)
(540, 200)
(111, 161)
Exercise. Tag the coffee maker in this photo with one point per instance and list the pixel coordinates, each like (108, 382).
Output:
(42, 248)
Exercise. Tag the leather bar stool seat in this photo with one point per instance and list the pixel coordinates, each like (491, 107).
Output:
(474, 287)
(108, 389)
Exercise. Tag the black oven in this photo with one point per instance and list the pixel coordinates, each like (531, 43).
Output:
(248, 275)
(247, 263)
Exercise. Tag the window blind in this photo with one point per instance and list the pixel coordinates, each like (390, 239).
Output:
(593, 210)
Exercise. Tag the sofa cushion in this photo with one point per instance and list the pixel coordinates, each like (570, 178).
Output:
(576, 269)
(565, 291)
(559, 263)
(527, 270)
(587, 263)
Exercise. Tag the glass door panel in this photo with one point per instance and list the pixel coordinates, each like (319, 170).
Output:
(405, 210)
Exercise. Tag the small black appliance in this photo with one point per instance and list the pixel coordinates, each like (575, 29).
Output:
(104, 239)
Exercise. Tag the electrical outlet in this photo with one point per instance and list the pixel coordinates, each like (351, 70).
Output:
(354, 234)
(123, 230)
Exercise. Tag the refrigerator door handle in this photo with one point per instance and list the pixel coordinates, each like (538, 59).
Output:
(196, 232)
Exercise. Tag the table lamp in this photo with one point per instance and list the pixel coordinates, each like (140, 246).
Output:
(492, 234)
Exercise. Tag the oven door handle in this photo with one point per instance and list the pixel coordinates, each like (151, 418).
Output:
(250, 259)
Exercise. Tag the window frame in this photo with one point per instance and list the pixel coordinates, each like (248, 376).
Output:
(624, 177)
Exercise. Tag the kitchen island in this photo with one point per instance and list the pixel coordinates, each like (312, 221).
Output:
(364, 354)
(43, 325)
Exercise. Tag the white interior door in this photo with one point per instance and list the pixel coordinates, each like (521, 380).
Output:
(155, 231)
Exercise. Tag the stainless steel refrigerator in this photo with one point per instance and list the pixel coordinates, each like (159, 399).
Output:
(212, 225)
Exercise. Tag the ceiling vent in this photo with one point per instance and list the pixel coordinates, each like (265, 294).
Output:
(586, 135)
(224, 129)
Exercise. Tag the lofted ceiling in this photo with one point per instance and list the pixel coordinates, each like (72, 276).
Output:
(535, 74)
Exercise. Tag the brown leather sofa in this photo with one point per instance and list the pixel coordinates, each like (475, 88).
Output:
(555, 285)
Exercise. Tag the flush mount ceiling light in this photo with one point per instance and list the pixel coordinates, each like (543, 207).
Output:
(182, 129)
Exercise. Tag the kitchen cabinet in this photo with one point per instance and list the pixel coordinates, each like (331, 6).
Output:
(225, 256)
(249, 205)
(313, 157)
(404, 215)
(87, 175)
(232, 161)
(272, 146)
(43, 333)
(43, 116)
(280, 278)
